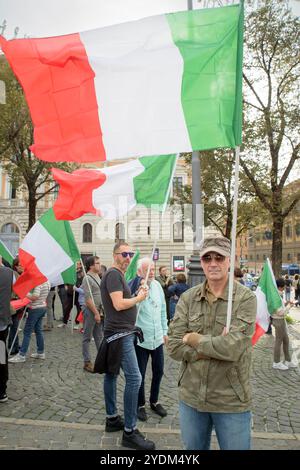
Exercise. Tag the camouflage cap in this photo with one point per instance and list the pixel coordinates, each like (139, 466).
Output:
(219, 245)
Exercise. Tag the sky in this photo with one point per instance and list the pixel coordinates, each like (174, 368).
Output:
(55, 17)
(38, 18)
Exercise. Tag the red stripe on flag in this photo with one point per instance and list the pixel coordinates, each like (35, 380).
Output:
(75, 192)
(259, 331)
(31, 277)
(58, 82)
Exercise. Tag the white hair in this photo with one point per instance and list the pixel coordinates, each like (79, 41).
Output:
(143, 261)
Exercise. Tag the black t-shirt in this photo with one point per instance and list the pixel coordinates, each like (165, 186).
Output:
(114, 281)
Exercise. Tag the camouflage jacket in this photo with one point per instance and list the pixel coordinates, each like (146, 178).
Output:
(220, 383)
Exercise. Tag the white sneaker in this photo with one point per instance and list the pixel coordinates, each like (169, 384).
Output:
(290, 365)
(38, 355)
(76, 327)
(279, 366)
(17, 358)
(61, 325)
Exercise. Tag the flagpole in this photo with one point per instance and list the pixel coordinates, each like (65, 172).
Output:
(85, 275)
(233, 236)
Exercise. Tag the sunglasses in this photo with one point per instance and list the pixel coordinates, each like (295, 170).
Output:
(125, 254)
(208, 258)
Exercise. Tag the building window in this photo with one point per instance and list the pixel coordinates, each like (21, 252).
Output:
(289, 256)
(9, 228)
(13, 193)
(177, 185)
(257, 257)
(87, 233)
(264, 257)
(251, 257)
(120, 232)
(148, 230)
(288, 231)
(298, 256)
(178, 232)
(297, 229)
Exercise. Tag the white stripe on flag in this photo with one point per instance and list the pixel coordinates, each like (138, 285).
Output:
(125, 88)
(50, 258)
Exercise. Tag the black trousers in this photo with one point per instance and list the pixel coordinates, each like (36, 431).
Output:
(3, 358)
(157, 359)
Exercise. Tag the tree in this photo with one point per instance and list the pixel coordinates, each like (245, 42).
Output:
(271, 128)
(217, 179)
(26, 172)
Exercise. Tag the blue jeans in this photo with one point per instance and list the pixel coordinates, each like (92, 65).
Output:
(133, 380)
(233, 430)
(157, 358)
(12, 333)
(33, 323)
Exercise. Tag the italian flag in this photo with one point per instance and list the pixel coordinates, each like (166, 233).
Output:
(164, 84)
(6, 254)
(113, 191)
(268, 300)
(48, 251)
(132, 268)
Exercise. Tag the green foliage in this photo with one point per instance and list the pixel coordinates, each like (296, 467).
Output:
(271, 112)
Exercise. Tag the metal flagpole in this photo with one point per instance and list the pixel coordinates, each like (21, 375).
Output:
(233, 236)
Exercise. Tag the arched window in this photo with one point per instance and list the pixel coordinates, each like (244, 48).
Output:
(120, 232)
(9, 228)
(87, 233)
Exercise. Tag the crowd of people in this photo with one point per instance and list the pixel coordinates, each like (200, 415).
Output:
(141, 320)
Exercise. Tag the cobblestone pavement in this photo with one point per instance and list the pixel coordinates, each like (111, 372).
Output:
(54, 404)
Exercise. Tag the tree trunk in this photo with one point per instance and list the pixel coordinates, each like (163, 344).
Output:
(277, 245)
(32, 202)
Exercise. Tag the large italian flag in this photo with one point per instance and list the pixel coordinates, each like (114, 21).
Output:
(48, 251)
(164, 84)
(113, 191)
(268, 300)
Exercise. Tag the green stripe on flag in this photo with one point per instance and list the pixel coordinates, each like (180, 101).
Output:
(269, 288)
(62, 233)
(6, 254)
(151, 186)
(210, 42)
(132, 268)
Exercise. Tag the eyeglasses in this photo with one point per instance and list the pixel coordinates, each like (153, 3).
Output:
(208, 258)
(125, 254)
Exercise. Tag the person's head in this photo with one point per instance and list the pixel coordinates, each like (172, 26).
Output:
(92, 264)
(296, 277)
(238, 274)
(163, 271)
(122, 254)
(17, 266)
(280, 284)
(142, 268)
(215, 258)
(78, 266)
(181, 278)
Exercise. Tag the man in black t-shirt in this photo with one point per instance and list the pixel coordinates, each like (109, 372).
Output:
(120, 316)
